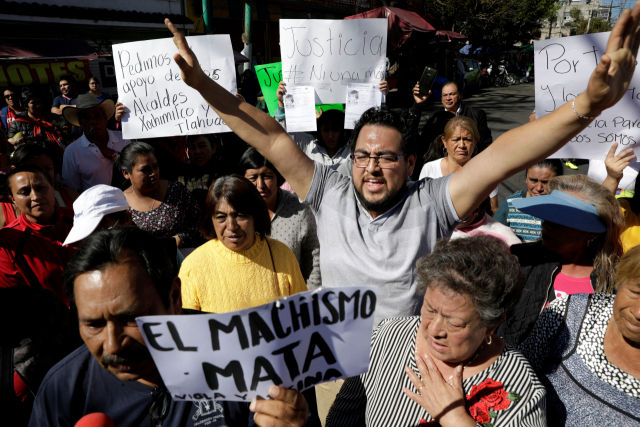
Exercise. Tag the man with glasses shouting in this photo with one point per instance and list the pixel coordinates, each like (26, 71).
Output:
(11, 110)
(374, 226)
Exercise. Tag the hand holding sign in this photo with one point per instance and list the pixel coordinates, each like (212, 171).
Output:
(288, 409)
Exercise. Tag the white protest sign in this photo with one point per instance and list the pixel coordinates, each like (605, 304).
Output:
(296, 342)
(360, 97)
(329, 54)
(159, 103)
(562, 68)
(299, 109)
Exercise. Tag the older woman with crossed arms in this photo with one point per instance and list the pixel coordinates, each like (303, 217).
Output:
(467, 374)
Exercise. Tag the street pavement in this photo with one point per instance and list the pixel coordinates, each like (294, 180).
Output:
(507, 108)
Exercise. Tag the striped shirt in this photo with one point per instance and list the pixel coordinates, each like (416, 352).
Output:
(376, 397)
(525, 226)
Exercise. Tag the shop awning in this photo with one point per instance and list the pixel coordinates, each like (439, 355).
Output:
(87, 13)
(449, 35)
(35, 49)
(401, 23)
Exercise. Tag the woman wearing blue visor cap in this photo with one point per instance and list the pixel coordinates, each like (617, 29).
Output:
(577, 253)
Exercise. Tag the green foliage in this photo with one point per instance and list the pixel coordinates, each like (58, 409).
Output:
(493, 21)
(580, 23)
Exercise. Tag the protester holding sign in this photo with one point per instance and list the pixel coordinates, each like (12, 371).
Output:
(330, 147)
(239, 266)
(118, 275)
(366, 219)
(163, 208)
(467, 373)
(579, 249)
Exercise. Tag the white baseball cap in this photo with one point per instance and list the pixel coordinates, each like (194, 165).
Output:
(91, 207)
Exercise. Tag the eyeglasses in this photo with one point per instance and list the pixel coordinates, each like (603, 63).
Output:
(159, 406)
(11, 95)
(385, 162)
(114, 224)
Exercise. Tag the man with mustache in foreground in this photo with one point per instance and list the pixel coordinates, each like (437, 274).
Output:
(116, 276)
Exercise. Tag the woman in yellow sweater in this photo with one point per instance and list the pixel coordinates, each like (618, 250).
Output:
(239, 266)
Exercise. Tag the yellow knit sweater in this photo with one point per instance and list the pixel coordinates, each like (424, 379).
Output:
(217, 280)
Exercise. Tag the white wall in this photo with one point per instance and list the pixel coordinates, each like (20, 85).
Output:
(149, 6)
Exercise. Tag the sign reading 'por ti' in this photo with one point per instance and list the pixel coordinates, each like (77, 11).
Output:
(329, 54)
(159, 103)
(563, 68)
(296, 342)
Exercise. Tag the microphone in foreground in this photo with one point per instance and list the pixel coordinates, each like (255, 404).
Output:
(97, 419)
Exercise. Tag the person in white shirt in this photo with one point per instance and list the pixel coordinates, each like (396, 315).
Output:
(89, 160)
(458, 144)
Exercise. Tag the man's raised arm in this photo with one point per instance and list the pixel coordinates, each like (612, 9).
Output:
(528, 144)
(252, 125)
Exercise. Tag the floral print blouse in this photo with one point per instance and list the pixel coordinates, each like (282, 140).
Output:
(178, 214)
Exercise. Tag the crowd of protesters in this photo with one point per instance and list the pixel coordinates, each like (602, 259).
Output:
(523, 314)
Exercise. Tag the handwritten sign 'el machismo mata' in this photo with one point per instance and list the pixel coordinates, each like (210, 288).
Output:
(329, 54)
(296, 342)
(562, 69)
(159, 103)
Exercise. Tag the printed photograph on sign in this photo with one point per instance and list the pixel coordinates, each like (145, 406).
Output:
(563, 67)
(158, 102)
(329, 54)
(296, 342)
(299, 109)
(360, 97)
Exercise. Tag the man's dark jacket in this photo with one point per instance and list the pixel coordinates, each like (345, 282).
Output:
(540, 267)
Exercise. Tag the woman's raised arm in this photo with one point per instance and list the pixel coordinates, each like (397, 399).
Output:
(252, 125)
(528, 144)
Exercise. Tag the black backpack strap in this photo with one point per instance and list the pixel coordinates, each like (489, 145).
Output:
(21, 263)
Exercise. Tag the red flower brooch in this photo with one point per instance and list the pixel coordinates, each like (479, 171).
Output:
(486, 398)
(483, 401)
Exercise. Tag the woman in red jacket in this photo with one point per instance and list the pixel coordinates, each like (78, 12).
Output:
(31, 251)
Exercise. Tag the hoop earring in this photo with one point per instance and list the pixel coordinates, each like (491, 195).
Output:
(444, 151)
(489, 339)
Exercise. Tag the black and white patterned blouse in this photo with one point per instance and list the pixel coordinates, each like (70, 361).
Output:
(507, 393)
(590, 342)
(178, 214)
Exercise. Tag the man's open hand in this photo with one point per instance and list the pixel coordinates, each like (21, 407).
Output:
(288, 409)
(185, 58)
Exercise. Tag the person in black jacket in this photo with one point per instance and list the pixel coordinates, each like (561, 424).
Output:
(453, 106)
(578, 252)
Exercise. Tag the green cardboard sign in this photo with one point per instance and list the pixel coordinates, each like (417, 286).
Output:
(327, 107)
(269, 77)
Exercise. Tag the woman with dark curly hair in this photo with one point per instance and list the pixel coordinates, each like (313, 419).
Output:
(467, 375)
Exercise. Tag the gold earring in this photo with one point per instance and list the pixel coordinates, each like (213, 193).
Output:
(591, 240)
(489, 339)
